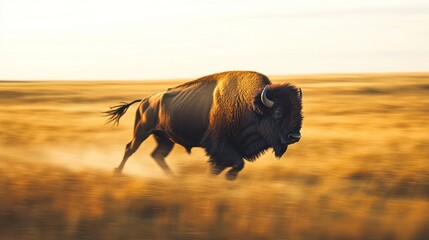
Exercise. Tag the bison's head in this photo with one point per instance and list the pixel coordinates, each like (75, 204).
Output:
(280, 108)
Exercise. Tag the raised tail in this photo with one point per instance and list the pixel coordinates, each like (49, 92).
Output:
(116, 112)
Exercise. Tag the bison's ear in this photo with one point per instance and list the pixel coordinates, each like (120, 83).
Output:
(257, 105)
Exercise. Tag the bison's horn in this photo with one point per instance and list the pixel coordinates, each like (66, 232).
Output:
(300, 94)
(267, 102)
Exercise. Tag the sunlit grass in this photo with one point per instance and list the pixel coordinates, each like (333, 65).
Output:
(360, 171)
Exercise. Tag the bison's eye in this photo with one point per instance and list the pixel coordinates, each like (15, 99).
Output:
(277, 114)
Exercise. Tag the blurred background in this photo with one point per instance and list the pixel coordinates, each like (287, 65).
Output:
(359, 172)
(111, 40)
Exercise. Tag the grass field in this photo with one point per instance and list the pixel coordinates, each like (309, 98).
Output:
(361, 170)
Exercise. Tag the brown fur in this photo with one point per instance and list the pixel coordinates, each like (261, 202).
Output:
(223, 113)
(231, 100)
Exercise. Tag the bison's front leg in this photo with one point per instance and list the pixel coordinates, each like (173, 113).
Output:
(236, 168)
(216, 168)
(224, 157)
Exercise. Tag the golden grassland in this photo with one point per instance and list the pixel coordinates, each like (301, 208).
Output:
(361, 170)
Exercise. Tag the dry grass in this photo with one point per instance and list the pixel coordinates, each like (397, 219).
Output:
(361, 170)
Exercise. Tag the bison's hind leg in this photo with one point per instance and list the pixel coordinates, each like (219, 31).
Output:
(130, 148)
(161, 151)
(142, 130)
(141, 134)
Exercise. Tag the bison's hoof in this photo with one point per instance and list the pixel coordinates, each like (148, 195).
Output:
(117, 171)
(231, 176)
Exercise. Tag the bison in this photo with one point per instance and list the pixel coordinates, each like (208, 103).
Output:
(233, 115)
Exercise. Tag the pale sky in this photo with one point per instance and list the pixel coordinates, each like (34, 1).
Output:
(156, 39)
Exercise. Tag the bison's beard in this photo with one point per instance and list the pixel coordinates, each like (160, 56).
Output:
(279, 150)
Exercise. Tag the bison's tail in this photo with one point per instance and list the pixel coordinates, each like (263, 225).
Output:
(116, 112)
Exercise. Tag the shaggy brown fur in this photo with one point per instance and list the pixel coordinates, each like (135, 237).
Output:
(223, 113)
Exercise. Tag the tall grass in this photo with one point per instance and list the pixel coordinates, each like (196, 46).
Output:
(360, 171)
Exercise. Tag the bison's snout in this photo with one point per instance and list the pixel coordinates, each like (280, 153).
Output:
(290, 138)
(294, 137)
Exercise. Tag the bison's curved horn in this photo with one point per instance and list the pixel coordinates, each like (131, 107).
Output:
(300, 94)
(267, 102)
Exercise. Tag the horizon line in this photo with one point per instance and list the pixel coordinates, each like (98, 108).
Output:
(191, 78)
